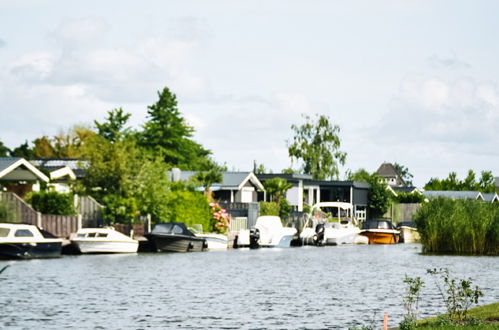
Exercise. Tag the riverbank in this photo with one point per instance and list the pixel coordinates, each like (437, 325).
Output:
(486, 316)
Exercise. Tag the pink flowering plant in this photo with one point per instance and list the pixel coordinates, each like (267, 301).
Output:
(221, 219)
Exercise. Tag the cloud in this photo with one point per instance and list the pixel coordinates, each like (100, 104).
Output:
(448, 62)
(3, 43)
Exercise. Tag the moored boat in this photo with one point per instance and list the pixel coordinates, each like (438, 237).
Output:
(214, 241)
(380, 231)
(267, 232)
(175, 237)
(408, 232)
(103, 240)
(20, 241)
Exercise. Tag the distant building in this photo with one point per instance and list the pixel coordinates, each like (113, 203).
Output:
(454, 194)
(391, 177)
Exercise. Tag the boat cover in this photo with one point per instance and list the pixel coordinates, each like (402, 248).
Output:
(378, 224)
(172, 228)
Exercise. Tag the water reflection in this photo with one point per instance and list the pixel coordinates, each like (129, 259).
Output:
(298, 288)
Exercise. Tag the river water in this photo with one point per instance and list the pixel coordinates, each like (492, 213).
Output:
(296, 288)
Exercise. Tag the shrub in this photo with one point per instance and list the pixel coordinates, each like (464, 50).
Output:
(52, 202)
(189, 207)
(7, 214)
(406, 198)
(269, 208)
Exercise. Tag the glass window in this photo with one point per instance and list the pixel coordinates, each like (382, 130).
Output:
(23, 233)
(81, 235)
(4, 232)
(101, 234)
(177, 229)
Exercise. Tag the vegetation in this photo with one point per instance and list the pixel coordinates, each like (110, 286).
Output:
(485, 184)
(404, 173)
(189, 207)
(411, 302)
(378, 195)
(51, 202)
(317, 144)
(407, 198)
(4, 151)
(269, 208)
(459, 226)
(7, 214)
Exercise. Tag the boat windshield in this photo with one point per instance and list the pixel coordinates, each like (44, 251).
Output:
(172, 228)
(23, 233)
(4, 232)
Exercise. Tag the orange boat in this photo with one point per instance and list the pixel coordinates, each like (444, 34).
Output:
(380, 231)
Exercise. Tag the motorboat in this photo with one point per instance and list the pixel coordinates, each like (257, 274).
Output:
(175, 237)
(20, 241)
(330, 223)
(214, 241)
(408, 232)
(267, 232)
(103, 240)
(380, 231)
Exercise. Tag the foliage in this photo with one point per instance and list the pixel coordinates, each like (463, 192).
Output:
(208, 178)
(190, 208)
(411, 302)
(404, 173)
(4, 151)
(277, 188)
(458, 294)
(260, 168)
(317, 144)
(485, 184)
(64, 145)
(269, 208)
(23, 151)
(114, 128)
(403, 197)
(167, 135)
(378, 196)
(220, 222)
(458, 226)
(7, 214)
(52, 202)
(284, 209)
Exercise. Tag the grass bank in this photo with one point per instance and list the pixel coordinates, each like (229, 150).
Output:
(487, 316)
(459, 226)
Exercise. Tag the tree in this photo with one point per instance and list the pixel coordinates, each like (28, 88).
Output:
(404, 173)
(277, 188)
(4, 151)
(43, 148)
(485, 184)
(69, 144)
(378, 196)
(167, 135)
(23, 151)
(114, 128)
(207, 179)
(317, 144)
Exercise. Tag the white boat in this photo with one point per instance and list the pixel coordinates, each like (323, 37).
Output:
(269, 232)
(19, 241)
(408, 232)
(214, 241)
(103, 240)
(324, 228)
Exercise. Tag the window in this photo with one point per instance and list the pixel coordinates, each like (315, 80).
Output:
(4, 232)
(101, 234)
(177, 229)
(23, 233)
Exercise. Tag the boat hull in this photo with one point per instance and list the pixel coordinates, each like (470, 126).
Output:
(214, 241)
(340, 236)
(177, 243)
(381, 237)
(409, 235)
(106, 247)
(30, 250)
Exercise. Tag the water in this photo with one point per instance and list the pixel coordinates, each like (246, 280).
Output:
(297, 288)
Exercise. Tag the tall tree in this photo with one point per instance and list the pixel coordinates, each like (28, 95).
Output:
(404, 173)
(114, 128)
(23, 151)
(317, 144)
(69, 144)
(4, 151)
(277, 188)
(166, 134)
(378, 195)
(487, 182)
(43, 148)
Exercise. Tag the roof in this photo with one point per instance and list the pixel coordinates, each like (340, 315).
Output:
(19, 169)
(230, 180)
(355, 184)
(387, 170)
(490, 197)
(453, 194)
(408, 190)
(52, 164)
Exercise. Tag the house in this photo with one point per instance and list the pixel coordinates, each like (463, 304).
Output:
(390, 175)
(61, 171)
(20, 176)
(236, 187)
(490, 197)
(453, 194)
(306, 191)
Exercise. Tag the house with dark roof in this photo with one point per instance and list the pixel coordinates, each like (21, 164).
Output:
(20, 176)
(453, 194)
(490, 197)
(390, 175)
(61, 171)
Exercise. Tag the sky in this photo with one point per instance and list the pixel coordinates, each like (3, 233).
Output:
(412, 82)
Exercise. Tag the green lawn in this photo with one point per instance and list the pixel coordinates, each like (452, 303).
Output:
(488, 314)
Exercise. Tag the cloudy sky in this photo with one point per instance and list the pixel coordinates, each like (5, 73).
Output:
(413, 82)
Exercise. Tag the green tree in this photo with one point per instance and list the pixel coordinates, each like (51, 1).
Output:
(404, 173)
(114, 128)
(487, 182)
(378, 196)
(277, 188)
(207, 179)
(167, 135)
(23, 151)
(317, 144)
(43, 148)
(4, 151)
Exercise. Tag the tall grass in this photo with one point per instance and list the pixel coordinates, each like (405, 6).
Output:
(459, 226)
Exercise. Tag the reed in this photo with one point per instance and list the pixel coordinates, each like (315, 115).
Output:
(459, 226)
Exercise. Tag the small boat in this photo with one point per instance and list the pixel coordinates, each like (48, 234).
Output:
(19, 241)
(214, 241)
(331, 223)
(103, 240)
(380, 231)
(269, 232)
(175, 237)
(408, 232)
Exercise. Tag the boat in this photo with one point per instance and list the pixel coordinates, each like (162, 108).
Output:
(269, 232)
(380, 231)
(214, 241)
(175, 237)
(103, 240)
(21, 241)
(331, 223)
(408, 232)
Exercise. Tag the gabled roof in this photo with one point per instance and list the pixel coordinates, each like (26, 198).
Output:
(230, 180)
(453, 194)
(490, 197)
(409, 190)
(53, 164)
(19, 169)
(387, 170)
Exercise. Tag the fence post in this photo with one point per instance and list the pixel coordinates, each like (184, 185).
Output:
(38, 219)
(148, 220)
(79, 225)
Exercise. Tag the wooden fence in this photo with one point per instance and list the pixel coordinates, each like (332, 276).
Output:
(91, 211)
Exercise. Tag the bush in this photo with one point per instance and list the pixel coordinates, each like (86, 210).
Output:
(52, 202)
(269, 208)
(189, 207)
(408, 198)
(7, 214)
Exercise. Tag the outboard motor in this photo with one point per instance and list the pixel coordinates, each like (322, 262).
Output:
(319, 234)
(254, 238)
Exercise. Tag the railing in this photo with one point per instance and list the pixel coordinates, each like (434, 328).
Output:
(238, 223)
